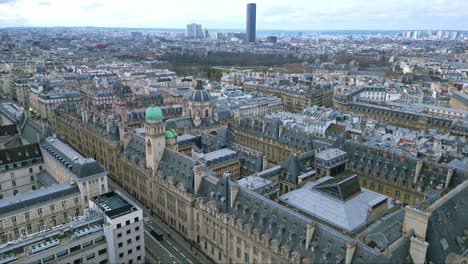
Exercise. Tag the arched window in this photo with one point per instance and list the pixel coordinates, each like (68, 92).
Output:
(206, 113)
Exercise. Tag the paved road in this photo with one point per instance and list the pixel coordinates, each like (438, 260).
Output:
(171, 250)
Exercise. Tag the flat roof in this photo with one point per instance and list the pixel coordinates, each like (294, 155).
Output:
(46, 179)
(348, 215)
(330, 154)
(185, 137)
(113, 204)
(217, 154)
(253, 182)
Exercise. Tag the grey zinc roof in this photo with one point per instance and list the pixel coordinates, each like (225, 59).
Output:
(32, 131)
(348, 215)
(46, 179)
(258, 184)
(179, 122)
(218, 154)
(329, 154)
(289, 229)
(81, 167)
(448, 225)
(33, 198)
(186, 137)
(294, 168)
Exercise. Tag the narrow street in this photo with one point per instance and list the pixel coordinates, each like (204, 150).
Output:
(171, 250)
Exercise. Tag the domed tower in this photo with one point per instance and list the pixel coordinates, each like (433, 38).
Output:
(154, 137)
(171, 138)
(199, 104)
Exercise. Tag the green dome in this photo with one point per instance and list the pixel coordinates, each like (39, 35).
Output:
(153, 113)
(170, 134)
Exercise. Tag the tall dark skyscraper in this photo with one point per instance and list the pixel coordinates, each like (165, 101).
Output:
(251, 22)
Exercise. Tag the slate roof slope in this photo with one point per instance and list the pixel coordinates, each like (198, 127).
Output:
(386, 230)
(33, 198)
(179, 168)
(136, 149)
(289, 228)
(217, 190)
(81, 167)
(20, 153)
(398, 166)
(448, 225)
(32, 131)
(179, 122)
(294, 168)
(46, 179)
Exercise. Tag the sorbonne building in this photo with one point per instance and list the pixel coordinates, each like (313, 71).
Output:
(229, 223)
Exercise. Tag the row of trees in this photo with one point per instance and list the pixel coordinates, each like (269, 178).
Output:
(229, 59)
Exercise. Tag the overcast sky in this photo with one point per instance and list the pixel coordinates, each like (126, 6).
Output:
(230, 14)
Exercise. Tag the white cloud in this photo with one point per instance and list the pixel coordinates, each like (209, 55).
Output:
(228, 14)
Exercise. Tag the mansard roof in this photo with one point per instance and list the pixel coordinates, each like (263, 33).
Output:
(179, 168)
(136, 149)
(448, 225)
(216, 190)
(255, 214)
(394, 165)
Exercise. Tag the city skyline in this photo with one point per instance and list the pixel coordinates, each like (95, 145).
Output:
(271, 15)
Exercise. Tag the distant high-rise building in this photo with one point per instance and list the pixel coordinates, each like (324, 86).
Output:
(194, 31)
(251, 22)
(272, 39)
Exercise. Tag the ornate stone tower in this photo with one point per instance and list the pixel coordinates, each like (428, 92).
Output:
(154, 137)
(200, 105)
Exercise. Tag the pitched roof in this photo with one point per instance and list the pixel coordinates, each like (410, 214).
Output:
(8, 130)
(19, 154)
(33, 198)
(293, 167)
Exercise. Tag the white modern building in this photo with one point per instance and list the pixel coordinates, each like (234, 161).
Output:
(123, 227)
